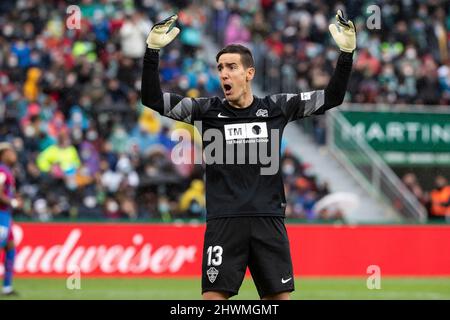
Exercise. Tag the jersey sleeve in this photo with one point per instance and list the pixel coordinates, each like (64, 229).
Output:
(297, 106)
(181, 108)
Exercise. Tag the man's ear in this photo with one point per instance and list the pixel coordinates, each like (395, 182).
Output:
(250, 73)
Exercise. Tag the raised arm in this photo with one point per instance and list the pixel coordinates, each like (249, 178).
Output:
(170, 105)
(296, 106)
(344, 34)
(336, 88)
(159, 37)
(151, 93)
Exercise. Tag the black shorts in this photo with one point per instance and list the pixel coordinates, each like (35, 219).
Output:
(259, 243)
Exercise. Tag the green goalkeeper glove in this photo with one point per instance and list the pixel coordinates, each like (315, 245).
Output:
(160, 36)
(344, 34)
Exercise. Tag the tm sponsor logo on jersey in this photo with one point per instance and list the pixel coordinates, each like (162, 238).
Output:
(238, 143)
(246, 132)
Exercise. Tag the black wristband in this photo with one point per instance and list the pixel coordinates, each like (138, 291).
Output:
(346, 56)
(150, 50)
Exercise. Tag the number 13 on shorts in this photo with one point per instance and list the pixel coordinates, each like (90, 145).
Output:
(214, 255)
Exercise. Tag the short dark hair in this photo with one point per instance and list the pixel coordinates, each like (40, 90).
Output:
(244, 52)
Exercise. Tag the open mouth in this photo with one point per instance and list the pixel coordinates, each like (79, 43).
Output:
(227, 89)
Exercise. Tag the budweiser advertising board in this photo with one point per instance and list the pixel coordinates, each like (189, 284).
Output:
(107, 249)
(142, 250)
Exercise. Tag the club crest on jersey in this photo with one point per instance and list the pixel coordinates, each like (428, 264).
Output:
(262, 113)
(212, 274)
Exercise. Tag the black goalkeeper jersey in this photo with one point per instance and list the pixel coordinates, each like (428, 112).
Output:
(242, 145)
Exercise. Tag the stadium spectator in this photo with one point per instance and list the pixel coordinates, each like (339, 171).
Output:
(302, 188)
(411, 182)
(192, 201)
(236, 32)
(133, 34)
(440, 199)
(61, 159)
(192, 19)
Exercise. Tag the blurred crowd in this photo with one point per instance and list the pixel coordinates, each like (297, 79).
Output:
(405, 61)
(70, 97)
(436, 199)
(70, 105)
(303, 191)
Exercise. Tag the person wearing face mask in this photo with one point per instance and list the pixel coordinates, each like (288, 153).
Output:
(60, 159)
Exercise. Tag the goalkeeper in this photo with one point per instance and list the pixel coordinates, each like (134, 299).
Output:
(245, 204)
